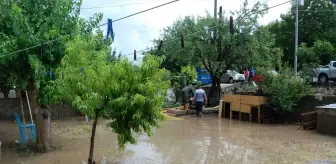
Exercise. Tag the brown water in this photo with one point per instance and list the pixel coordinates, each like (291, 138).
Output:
(190, 141)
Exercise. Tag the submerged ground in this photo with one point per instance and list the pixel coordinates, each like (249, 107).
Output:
(187, 141)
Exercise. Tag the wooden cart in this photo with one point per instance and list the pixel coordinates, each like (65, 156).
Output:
(242, 104)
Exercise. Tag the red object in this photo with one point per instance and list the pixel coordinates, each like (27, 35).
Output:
(258, 78)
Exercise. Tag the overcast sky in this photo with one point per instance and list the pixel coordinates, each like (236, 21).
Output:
(137, 32)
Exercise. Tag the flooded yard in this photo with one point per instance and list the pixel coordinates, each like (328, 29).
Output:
(192, 140)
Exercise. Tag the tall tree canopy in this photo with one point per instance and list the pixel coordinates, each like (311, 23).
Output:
(321, 53)
(208, 42)
(129, 96)
(317, 21)
(44, 25)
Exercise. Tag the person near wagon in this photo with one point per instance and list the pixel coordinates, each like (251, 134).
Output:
(246, 74)
(200, 100)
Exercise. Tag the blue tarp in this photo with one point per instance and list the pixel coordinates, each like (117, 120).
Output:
(203, 76)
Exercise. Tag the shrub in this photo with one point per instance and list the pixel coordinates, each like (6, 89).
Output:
(286, 89)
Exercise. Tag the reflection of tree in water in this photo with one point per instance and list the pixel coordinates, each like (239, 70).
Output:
(235, 152)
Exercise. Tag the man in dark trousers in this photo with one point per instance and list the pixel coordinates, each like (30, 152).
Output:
(200, 99)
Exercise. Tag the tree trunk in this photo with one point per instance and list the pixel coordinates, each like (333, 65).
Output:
(93, 134)
(219, 88)
(215, 90)
(46, 132)
(213, 87)
(43, 127)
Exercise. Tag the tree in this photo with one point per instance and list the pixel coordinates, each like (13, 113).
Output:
(322, 52)
(130, 97)
(208, 43)
(35, 23)
(317, 21)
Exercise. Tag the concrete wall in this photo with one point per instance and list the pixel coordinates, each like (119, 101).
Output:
(8, 106)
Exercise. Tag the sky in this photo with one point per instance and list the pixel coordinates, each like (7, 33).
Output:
(138, 32)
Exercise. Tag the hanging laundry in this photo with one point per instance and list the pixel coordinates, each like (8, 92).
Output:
(82, 71)
(42, 49)
(160, 45)
(109, 29)
(231, 25)
(182, 41)
(49, 74)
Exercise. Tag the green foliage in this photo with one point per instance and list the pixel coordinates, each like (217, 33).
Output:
(317, 22)
(129, 97)
(30, 23)
(264, 53)
(322, 52)
(190, 73)
(208, 43)
(285, 89)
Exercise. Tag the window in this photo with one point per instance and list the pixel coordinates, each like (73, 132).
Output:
(334, 64)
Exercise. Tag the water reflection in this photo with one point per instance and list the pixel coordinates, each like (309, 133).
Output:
(207, 140)
(238, 153)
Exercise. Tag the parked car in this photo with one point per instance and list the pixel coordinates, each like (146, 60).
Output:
(325, 73)
(232, 76)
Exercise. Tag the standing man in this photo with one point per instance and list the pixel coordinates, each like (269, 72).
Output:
(251, 73)
(200, 99)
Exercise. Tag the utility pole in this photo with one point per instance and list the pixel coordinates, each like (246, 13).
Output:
(297, 3)
(215, 18)
(215, 10)
(296, 35)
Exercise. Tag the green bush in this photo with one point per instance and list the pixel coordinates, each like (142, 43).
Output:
(285, 89)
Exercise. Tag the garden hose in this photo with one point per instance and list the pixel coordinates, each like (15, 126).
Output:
(212, 107)
(169, 117)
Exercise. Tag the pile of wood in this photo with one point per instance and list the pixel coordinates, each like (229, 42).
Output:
(309, 120)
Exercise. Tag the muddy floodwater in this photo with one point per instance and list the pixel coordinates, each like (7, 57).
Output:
(207, 140)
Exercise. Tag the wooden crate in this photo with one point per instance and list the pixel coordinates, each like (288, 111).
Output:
(231, 98)
(244, 103)
(245, 108)
(235, 107)
(252, 100)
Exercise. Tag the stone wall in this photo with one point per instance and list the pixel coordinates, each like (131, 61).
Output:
(8, 106)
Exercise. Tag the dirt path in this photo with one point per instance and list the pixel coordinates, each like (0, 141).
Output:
(188, 141)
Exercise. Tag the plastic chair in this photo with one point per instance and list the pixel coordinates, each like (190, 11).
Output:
(22, 128)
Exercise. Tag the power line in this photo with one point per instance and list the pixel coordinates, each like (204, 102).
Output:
(247, 14)
(140, 32)
(38, 45)
(250, 13)
(98, 26)
(314, 11)
(144, 11)
(112, 6)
